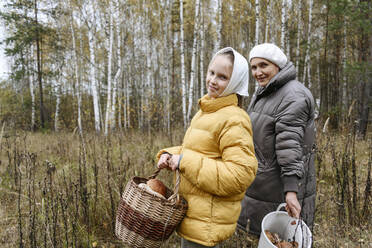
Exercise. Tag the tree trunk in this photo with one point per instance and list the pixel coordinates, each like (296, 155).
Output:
(217, 45)
(183, 80)
(39, 72)
(307, 65)
(365, 59)
(193, 61)
(299, 33)
(109, 67)
(32, 90)
(257, 30)
(202, 47)
(283, 25)
(58, 102)
(92, 45)
(77, 77)
(119, 64)
(267, 24)
(168, 7)
(324, 81)
(335, 88)
(344, 79)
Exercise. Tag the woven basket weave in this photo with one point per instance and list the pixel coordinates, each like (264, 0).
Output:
(145, 220)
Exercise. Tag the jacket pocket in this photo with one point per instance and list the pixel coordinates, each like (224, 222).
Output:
(262, 164)
(267, 186)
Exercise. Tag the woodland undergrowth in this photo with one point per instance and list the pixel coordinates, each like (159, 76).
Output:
(62, 189)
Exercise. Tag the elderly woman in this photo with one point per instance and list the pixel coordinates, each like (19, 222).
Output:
(282, 115)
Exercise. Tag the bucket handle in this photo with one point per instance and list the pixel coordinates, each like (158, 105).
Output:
(281, 205)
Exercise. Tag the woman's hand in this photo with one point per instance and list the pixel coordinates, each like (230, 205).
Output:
(163, 160)
(293, 206)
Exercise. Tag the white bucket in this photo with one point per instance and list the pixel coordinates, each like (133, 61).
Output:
(281, 223)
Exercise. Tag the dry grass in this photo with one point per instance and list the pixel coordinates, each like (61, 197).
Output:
(57, 190)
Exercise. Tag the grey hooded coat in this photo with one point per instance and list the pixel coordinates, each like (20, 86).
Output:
(282, 115)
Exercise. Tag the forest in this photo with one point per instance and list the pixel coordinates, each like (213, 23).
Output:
(96, 88)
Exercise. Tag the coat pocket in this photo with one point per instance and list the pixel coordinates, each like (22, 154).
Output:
(267, 186)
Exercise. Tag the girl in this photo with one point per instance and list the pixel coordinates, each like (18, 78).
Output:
(216, 159)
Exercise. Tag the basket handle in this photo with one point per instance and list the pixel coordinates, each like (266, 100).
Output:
(156, 173)
(176, 186)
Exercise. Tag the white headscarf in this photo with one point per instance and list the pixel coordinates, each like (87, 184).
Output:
(239, 77)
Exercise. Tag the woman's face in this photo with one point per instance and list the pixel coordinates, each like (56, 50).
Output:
(218, 75)
(263, 70)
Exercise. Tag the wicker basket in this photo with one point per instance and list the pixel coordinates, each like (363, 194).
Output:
(145, 220)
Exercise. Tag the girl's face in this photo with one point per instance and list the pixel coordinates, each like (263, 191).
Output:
(263, 70)
(218, 75)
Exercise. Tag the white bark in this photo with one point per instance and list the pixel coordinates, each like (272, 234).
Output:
(267, 25)
(166, 58)
(193, 61)
(58, 102)
(118, 72)
(219, 26)
(77, 78)
(127, 105)
(299, 33)
(283, 25)
(318, 55)
(183, 80)
(92, 44)
(307, 54)
(109, 65)
(257, 32)
(148, 87)
(32, 92)
(202, 45)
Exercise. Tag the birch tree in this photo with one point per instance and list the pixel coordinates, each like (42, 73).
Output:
(92, 44)
(193, 61)
(109, 67)
(119, 63)
(268, 19)
(148, 71)
(257, 16)
(77, 75)
(183, 79)
(31, 70)
(39, 66)
(299, 33)
(167, 6)
(219, 26)
(283, 25)
(307, 66)
(58, 103)
(202, 47)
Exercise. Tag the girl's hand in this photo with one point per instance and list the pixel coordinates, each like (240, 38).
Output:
(163, 160)
(293, 206)
(173, 162)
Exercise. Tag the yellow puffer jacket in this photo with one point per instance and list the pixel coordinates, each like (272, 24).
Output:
(218, 164)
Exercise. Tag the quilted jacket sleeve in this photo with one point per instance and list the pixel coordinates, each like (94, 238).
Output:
(293, 115)
(234, 171)
(171, 150)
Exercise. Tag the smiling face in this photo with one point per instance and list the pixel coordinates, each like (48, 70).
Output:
(263, 70)
(218, 75)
